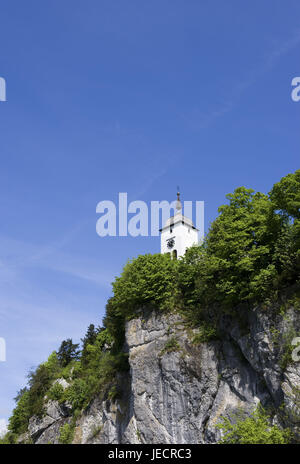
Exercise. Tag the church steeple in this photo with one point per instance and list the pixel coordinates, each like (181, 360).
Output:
(178, 232)
(178, 202)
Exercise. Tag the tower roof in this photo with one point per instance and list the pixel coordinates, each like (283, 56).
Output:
(178, 217)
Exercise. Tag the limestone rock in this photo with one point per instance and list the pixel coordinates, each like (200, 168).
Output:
(44, 429)
(177, 392)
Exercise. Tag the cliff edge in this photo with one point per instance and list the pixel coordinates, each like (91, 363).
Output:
(177, 389)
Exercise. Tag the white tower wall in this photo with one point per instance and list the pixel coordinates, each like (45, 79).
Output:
(180, 230)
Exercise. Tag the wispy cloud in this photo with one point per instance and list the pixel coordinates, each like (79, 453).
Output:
(39, 309)
(150, 180)
(17, 256)
(45, 298)
(199, 119)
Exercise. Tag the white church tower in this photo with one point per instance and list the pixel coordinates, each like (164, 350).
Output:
(178, 233)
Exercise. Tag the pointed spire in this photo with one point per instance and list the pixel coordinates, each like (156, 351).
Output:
(178, 202)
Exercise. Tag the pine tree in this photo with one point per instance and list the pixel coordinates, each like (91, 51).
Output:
(67, 352)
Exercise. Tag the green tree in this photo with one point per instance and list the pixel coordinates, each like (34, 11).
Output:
(285, 198)
(68, 352)
(39, 382)
(148, 279)
(18, 422)
(145, 281)
(89, 339)
(90, 336)
(20, 394)
(239, 248)
(285, 195)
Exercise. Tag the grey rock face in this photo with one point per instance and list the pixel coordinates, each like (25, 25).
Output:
(176, 391)
(291, 392)
(179, 396)
(62, 382)
(45, 429)
(38, 425)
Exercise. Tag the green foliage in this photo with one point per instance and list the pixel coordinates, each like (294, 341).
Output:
(285, 195)
(171, 345)
(255, 429)
(250, 253)
(238, 248)
(146, 280)
(286, 255)
(8, 439)
(90, 336)
(52, 364)
(149, 280)
(188, 277)
(103, 339)
(66, 434)
(56, 392)
(78, 393)
(71, 370)
(89, 339)
(114, 322)
(39, 383)
(97, 373)
(285, 198)
(30, 401)
(93, 373)
(18, 422)
(206, 333)
(113, 393)
(138, 434)
(67, 352)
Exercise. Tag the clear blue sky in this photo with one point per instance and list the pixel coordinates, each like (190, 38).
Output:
(111, 96)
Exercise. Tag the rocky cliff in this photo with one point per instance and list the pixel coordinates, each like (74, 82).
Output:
(177, 390)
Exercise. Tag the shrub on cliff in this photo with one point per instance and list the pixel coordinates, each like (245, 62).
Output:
(255, 429)
(148, 279)
(30, 400)
(66, 434)
(18, 422)
(145, 281)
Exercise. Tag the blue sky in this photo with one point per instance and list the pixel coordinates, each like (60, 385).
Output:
(112, 96)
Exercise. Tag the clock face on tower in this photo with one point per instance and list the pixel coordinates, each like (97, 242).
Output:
(170, 243)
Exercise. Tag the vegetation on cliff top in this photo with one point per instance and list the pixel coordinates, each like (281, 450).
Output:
(251, 254)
